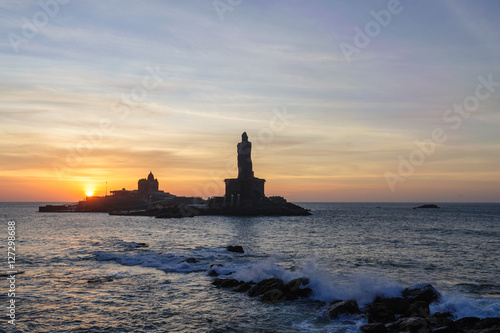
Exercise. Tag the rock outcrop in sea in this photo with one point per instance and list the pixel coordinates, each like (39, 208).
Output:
(409, 312)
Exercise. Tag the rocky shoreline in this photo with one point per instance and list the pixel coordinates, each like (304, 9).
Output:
(409, 312)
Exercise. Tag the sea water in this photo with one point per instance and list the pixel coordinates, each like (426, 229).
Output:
(90, 272)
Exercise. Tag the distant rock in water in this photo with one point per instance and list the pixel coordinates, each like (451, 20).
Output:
(236, 249)
(426, 206)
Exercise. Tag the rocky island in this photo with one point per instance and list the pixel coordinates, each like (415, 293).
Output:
(244, 196)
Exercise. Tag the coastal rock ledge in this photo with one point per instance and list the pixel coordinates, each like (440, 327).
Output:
(408, 313)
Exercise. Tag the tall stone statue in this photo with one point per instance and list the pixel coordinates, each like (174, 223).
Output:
(246, 189)
(245, 169)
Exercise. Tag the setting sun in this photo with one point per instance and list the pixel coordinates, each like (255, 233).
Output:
(89, 193)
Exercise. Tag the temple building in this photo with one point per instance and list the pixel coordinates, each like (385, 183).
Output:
(149, 185)
(246, 189)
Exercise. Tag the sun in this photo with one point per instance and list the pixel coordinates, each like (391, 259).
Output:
(89, 193)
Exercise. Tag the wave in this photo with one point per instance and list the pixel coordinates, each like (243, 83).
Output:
(462, 306)
(363, 288)
(164, 262)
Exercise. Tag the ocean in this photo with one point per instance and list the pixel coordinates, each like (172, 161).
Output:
(91, 272)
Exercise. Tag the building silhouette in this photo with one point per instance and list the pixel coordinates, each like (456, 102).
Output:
(148, 185)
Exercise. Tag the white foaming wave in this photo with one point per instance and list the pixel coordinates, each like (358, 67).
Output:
(462, 306)
(326, 287)
(164, 262)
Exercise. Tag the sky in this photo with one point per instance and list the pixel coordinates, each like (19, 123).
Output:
(395, 101)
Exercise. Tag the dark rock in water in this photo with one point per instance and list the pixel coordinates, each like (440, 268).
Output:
(442, 321)
(339, 308)
(397, 305)
(421, 292)
(190, 260)
(373, 328)
(100, 279)
(411, 324)
(380, 313)
(213, 273)
(226, 283)
(467, 323)
(444, 329)
(139, 245)
(305, 292)
(418, 309)
(275, 296)
(236, 249)
(229, 283)
(265, 286)
(490, 323)
(295, 284)
(427, 206)
(242, 287)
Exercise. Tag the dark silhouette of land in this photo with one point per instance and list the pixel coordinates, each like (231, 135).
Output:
(244, 196)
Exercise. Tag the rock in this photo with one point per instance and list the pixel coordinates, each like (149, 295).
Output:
(274, 296)
(412, 324)
(418, 309)
(242, 287)
(444, 329)
(216, 265)
(213, 273)
(295, 284)
(427, 206)
(467, 323)
(441, 320)
(191, 260)
(304, 293)
(139, 245)
(100, 279)
(236, 249)
(265, 286)
(380, 313)
(339, 308)
(397, 305)
(421, 292)
(490, 323)
(373, 328)
(229, 283)
(225, 283)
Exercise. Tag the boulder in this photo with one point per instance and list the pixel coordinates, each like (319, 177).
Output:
(380, 313)
(295, 284)
(421, 292)
(225, 283)
(236, 249)
(467, 323)
(418, 309)
(242, 287)
(190, 260)
(264, 286)
(339, 308)
(373, 328)
(441, 320)
(489, 323)
(397, 305)
(304, 292)
(213, 273)
(275, 296)
(411, 324)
